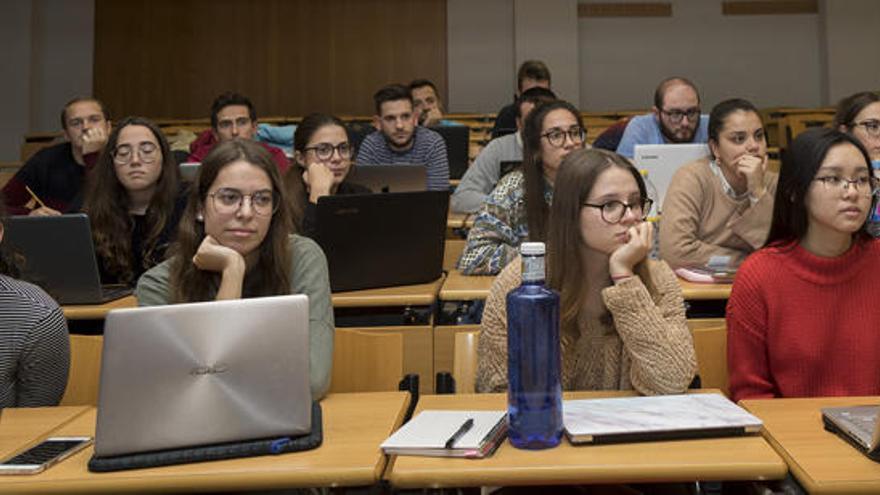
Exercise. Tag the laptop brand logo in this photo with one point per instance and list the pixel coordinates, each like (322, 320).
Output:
(214, 369)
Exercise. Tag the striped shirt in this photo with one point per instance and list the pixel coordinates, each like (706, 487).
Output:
(34, 346)
(428, 149)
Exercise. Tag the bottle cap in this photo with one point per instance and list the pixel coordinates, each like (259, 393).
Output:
(531, 248)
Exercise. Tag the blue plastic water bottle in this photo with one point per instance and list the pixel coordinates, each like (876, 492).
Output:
(534, 390)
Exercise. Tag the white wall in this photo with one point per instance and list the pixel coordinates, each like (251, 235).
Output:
(851, 32)
(548, 31)
(15, 60)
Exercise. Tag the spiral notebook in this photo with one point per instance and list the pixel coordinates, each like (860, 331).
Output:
(472, 434)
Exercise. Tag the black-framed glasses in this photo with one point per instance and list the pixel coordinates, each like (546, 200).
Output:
(238, 122)
(324, 151)
(228, 200)
(556, 136)
(147, 152)
(872, 126)
(866, 184)
(614, 211)
(677, 115)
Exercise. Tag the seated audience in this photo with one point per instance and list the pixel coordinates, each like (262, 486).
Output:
(516, 211)
(235, 241)
(427, 104)
(322, 158)
(483, 175)
(232, 116)
(56, 174)
(721, 207)
(799, 319)
(622, 318)
(34, 345)
(134, 200)
(859, 115)
(398, 140)
(531, 74)
(675, 118)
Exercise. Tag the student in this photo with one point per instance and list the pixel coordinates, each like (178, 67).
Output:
(516, 210)
(235, 241)
(531, 74)
(800, 322)
(721, 207)
(134, 201)
(322, 155)
(859, 115)
(427, 104)
(622, 317)
(34, 345)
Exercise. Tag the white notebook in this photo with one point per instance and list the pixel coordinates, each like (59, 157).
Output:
(665, 417)
(428, 432)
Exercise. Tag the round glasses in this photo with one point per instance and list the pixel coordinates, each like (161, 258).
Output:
(324, 151)
(556, 136)
(872, 127)
(147, 151)
(228, 201)
(614, 211)
(866, 185)
(676, 116)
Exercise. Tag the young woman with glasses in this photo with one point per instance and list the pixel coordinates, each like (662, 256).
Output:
(720, 207)
(322, 154)
(859, 115)
(235, 241)
(516, 210)
(134, 200)
(799, 321)
(622, 316)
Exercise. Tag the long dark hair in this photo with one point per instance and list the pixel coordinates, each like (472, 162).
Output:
(271, 275)
(849, 107)
(8, 264)
(107, 205)
(799, 166)
(533, 165)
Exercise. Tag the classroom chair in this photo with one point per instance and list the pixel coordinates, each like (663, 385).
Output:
(710, 344)
(464, 361)
(452, 252)
(85, 370)
(366, 361)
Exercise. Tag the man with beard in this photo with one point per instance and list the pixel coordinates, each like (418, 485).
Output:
(675, 118)
(399, 140)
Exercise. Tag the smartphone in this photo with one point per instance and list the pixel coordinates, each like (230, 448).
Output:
(40, 457)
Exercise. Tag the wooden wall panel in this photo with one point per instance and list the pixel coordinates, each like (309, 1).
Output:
(170, 58)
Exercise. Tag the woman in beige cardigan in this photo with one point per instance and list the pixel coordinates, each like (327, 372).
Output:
(622, 315)
(721, 207)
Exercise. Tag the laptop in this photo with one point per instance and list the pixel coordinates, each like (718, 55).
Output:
(457, 147)
(196, 374)
(383, 240)
(57, 254)
(659, 162)
(390, 178)
(189, 171)
(857, 425)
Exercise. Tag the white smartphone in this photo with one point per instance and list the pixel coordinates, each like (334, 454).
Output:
(43, 455)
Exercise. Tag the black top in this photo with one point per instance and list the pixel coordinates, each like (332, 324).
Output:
(505, 121)
(309, 225)
(53, 175)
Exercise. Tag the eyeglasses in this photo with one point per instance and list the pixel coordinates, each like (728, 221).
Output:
(239, 122)
(227, 201)
(78, 122)
(556, 136)
(676, 115)
(324, 151)
(147, 152)
(872, 127)
(866, 184)
(614, 211)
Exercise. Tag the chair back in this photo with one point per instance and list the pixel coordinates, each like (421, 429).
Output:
(85, 370)
(464, 361)
(710, 344)
(366, 361)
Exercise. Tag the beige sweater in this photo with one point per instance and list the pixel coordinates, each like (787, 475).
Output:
(699, 220)
(647, 348)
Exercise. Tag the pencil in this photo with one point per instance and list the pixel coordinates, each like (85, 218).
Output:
(36, 198)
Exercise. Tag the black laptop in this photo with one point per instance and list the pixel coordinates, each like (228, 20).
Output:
(383, 240)
(57, 254)
(457, 146)
(390, 178)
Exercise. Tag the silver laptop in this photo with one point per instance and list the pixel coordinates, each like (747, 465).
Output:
(390, 178)
(197, 374)
(857, 425)
(660, 162)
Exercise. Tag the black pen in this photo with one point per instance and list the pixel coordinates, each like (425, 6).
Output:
(466, 427)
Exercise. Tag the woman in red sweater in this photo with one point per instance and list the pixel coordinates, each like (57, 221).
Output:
(799, 320)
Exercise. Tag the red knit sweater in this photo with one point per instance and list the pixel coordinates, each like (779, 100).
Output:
(799, 325)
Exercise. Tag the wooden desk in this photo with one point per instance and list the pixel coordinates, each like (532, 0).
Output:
(457, 224)
(457, 293)
(21, 428)
(97, 311)
(821, 461)
(404, 295)
(693, 291)
(738, 458)
(460, 287)
(354, 426)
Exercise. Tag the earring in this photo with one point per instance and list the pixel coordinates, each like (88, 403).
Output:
(200, 217)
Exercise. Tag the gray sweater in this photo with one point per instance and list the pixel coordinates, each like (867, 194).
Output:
(308, 276)
(482, 176)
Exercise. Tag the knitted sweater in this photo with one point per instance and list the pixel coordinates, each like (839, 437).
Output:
(800, 325)
(700, 220)
(648, 347)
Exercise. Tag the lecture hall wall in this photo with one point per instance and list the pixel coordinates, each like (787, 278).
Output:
(168, 58)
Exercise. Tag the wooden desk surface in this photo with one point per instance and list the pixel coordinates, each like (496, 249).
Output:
(459, 220)
(404, 295)
(460, 287)
(23, 427)
(97, 311)
(354, 427)
(738, 458)
(820, 460)
(693, 291)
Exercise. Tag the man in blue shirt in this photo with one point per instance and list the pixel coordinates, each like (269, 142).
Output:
(675, 118)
